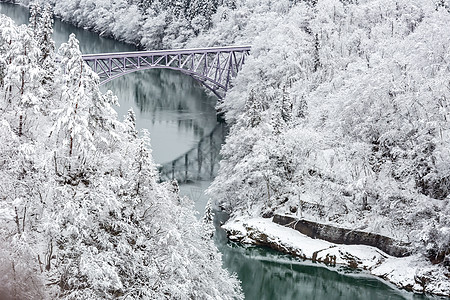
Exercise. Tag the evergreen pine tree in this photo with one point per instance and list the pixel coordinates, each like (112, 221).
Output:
(35, 14)
(45, 32)
(22, 76)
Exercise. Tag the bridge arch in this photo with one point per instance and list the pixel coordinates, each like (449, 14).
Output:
(213, 67)
(213, 85)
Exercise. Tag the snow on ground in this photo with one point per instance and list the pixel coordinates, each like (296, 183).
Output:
(412, 273)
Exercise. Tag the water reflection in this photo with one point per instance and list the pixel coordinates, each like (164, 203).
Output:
(90, 42)
(170, 105)
(269, 275)
(201, 163)
(178, 113)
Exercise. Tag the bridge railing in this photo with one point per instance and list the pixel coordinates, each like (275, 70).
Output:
(214, 67)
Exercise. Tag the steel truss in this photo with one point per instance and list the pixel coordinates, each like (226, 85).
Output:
(213, 67)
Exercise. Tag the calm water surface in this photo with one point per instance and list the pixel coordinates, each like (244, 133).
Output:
(171, 106)
(178, 113)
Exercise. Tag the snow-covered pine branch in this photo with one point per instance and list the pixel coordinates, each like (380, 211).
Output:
(82, 213)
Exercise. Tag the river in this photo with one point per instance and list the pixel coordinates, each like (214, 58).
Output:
(178, 113)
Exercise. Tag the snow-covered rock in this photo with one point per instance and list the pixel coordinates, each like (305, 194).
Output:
(414, 273)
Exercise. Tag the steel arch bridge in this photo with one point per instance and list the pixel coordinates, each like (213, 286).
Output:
(213, 67)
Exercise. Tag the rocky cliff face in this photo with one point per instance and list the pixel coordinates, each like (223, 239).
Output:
(306, 240)
(344, 236)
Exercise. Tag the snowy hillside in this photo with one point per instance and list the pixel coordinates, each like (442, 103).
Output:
(340, 116)
(82, 215)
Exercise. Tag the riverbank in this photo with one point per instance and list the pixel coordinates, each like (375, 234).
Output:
(73, 225)
(413, 273)
(257, 298)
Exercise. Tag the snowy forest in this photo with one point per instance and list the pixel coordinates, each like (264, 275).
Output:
(150, 24)
(341, 115)
(82, 214)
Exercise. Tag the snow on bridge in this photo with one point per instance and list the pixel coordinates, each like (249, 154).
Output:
(213, 67)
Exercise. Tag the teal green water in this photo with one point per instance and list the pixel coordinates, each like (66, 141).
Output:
(269, 275)
(177, 113)
(171, 106)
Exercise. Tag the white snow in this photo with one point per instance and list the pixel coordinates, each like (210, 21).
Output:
(400, 271)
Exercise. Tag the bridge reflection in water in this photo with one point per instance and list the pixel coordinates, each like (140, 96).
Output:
(199, 163)
(214, 67)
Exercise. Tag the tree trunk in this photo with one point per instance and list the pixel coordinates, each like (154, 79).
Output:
(17, 220)
(20, 124)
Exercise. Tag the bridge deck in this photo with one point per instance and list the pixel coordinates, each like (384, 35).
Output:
(214, 67)
(171, 51)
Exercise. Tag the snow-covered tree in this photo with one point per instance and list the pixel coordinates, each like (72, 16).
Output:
(22, 75)
(21, 187)
(35, 11)
(350, 118)
(45, 40)
(82, 212)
